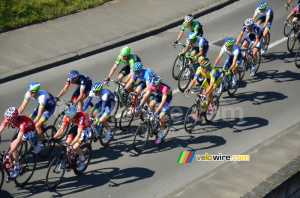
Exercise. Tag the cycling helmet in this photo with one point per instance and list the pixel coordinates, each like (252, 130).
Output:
(73, 74)
(125, 51)
(137, 66)
(97, 86)
(188, 18)
(229, 42)
(192, 36)
(249, 22)
(156, 81)
(262, 5)
(11, 113)
(34, 86)
(71, 111)
(205, 63)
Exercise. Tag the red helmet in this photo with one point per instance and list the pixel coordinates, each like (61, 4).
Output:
(11, 113)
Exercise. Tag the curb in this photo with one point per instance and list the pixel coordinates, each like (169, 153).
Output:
(98, 48)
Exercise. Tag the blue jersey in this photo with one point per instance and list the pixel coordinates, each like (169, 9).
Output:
(146, 75)
(83, 81)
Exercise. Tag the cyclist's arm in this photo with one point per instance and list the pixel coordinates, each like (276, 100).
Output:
(163, 101)
(233, 63)
(113, 69)
(79, 131)
(256, 40)
(239, 38)
(200, 52)
(187, 46)
(198, 72)
(39, 114)
(59, 132)
(218, 59)
(2, 127)
(145, 90)
(145, 97)
(180, 35)
(290, 15)
(86, 104)
(64, 90)
(23, 105)
(13, 148)
(129, 84)
(288, 3)
(128, 77)
(104, 104)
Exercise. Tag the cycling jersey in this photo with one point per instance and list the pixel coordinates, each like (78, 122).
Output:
(200, 42)
(105, 96)
(43, 98)
(146, 75)
(130, 60)
(212, 73)
(163, 89)
(22, 122)
(196, 27)
(267, 13)
(255, 30)
(81, 119)
(236, 51)
(83, 81)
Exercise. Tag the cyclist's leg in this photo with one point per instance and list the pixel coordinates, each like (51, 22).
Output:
(71, 134)
(75, 93)
(164, 111)
(140, 87)
(124, 72)
(156, 99)
(227, 63)
(256, 48)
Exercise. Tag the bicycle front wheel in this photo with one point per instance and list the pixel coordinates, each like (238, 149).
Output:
(1, 177)
(268, 41)
(242, 68)
(117, 104)
(184, 78)
(287, 28)
(127, 117)
(191, 118)
(210, 116)
(87, 152)
(57, 124)
(27, 167)
(46, 146)
(177, 66)
(258, 54)
(112, 123)
(291, 41)
(297, 58)
(55, 173)
(141, 137)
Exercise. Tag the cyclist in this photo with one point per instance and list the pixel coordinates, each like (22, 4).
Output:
(233, 60)
(198, 45)
(163, 96)
(78, 133)
(25, 131)
(43, 111)
(193, 25)
(288, 3)
(256, 35)
(129, 59)
(145, 75)
(212, 79)
(295, 13)
(104, 106)
(266, 17)
(83, 88)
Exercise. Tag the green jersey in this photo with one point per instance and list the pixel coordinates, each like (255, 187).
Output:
(130, 61)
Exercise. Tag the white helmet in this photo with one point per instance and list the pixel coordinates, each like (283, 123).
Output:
(249, 22)
(188, 18)
(11, 113)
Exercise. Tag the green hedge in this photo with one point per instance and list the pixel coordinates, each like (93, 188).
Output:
(18, 13)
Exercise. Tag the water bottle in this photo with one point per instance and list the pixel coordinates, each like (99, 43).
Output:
(34, 139)
(99, 127)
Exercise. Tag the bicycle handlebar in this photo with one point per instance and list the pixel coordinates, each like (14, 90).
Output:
(183, 45)
(117, 82)
(67, 103)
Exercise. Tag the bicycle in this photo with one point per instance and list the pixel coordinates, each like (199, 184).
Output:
(297, 57)
(66, 161)
(198, 110)
(287, 27)
(27, 161)
(187, 74)
(98, 133)
(291, 36)
(178, 63)
(46, 147)
(150, 127)
(226, 83)
(248, 57)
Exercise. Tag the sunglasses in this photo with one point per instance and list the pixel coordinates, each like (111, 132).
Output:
(32, 92)
(95, 91)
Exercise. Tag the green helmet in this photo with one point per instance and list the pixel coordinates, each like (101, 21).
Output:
(192, 36)
(229, 42)
(125, 51)
(262, 5)
(34, 86)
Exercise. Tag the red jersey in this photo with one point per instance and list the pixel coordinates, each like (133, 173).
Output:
(82, 119)
(22, 122)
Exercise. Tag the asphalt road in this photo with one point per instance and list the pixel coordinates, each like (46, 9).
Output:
(263, 106)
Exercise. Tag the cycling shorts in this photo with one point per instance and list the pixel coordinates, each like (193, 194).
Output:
(73, 133)
(158, 98)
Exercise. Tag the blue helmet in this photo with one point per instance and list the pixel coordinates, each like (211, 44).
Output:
(73, 74)
(229, 42)
(262, 5)
(71, 111)
(97, 86)
(34, 86)
(137, 67)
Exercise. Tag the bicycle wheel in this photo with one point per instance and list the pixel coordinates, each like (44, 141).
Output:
(55, 173)
(167, 124)
(191, 118)
(23, 148)
(231, 90)
(184, 78)
(287, 28)
(1, 177)
(127, 116)
(242, 68)
(291, 41)
(46, 146)
(57, 123)
(87, 152)
(27, 167)
(210, 116)
(268, 41)
(141, 137)
(297, 58)
(117, 105)
(177, 66)
(258, 60)
(112, 122)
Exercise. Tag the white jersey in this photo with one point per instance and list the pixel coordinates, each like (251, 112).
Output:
(268, 12)
(235, 51)
(200, 42)
(104, 95)
(42, 98)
